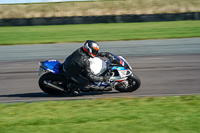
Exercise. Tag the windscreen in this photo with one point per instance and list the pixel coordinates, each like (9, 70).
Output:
(120, 61)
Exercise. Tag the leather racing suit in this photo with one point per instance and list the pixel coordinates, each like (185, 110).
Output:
(78, 63)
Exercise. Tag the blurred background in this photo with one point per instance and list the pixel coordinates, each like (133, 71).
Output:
(61, 8)
(33, 1)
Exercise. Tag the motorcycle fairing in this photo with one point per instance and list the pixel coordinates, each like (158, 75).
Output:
(51, 66)
(126, 64)
(121, 61)
(118, 68)
(100, 84)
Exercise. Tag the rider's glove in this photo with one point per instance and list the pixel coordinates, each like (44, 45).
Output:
(111, 57)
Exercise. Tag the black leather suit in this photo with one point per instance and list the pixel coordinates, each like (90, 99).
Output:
(77, 63)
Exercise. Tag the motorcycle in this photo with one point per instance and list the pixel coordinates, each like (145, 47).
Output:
(122, 79)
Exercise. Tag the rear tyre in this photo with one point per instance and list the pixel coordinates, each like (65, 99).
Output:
(53, 78)
(133, 84)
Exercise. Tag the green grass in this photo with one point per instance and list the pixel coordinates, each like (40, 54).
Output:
(175, 114)
(98, 32)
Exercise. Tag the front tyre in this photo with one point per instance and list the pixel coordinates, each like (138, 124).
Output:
(133, 83)
(53, 78)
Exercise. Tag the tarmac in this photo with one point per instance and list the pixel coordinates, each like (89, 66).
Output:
(167, 67)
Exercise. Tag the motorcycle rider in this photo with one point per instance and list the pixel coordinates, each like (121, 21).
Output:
(78, 63)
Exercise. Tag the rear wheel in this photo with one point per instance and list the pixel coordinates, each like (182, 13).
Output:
(54, 79)
(130, 85)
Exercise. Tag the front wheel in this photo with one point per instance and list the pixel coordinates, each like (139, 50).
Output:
(54, 79)
(131, 84)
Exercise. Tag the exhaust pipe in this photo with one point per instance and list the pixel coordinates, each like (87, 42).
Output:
(49, 84)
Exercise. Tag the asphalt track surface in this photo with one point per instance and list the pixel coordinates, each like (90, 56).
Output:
(165, 67)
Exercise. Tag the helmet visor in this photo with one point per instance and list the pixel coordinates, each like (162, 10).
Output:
(95, 52)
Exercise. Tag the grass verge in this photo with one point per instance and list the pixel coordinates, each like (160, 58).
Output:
(119, 115)
(98, 32)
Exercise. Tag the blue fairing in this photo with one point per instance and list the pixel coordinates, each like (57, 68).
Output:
(118, 68)
(52, 66)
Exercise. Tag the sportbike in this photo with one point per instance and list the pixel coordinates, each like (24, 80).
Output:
(121, 75)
